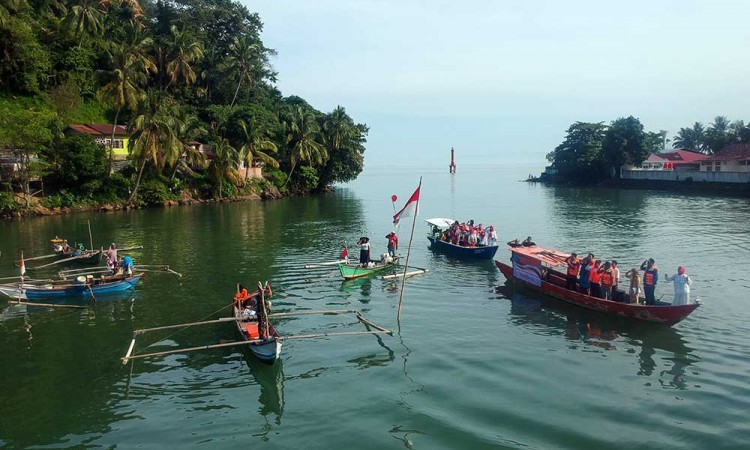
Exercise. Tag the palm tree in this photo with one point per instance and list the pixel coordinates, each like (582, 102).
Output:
(8, 8)
(338, 129)
(86, 17)
(183, 51)
(225, 159)
(691, 138)
(242, 55)
(155, 136)
(124, 89)
(302, 137)
(255, 147)
(189, 127)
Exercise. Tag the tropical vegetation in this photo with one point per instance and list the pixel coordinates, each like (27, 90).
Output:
(593, 151)
(174, 73)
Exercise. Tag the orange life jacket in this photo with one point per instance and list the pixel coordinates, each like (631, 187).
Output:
(648, 278)
(242, 295)
(607, 277)
(574, 267)
(595, 276)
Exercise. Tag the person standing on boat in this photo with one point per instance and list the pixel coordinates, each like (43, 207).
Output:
(606, 281)
(681, 286)
(392, 243)
(111, 255)
(650, 278)
(595, 278)
(491, 235)
(364, 250)
(583, 282)
(574, 267)
(127, 265)
(615, 281)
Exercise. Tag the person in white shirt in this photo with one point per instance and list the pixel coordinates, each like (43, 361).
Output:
(681, 287)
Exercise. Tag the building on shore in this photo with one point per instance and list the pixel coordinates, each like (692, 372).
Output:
(102, 134)
(729, 165)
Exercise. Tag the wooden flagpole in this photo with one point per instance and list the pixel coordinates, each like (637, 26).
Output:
(408, 252)
(91, 238)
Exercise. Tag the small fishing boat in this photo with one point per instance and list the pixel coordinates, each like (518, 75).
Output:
(534, 268)
(353, 271)
(82, 287)
(256, 329)
(440, 225)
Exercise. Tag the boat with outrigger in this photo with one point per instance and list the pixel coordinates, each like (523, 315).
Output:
(535, 268)
(252, 317)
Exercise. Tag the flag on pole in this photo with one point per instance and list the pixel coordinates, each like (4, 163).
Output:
(23, 266)
(411, 209)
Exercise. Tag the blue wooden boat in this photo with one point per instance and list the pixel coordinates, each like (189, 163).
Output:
(261, 336)
(438, 225)
(83, 288)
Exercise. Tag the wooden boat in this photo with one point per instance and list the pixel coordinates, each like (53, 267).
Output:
(353, 271)
(83, 287)
(262, 338)
(438, 225)
(534, 268)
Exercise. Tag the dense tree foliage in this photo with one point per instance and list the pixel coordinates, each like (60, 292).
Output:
(173, 71)
(580, 153)
(625, 142)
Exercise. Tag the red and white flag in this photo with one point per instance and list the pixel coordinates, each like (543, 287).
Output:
(410, 209)
(23, 266)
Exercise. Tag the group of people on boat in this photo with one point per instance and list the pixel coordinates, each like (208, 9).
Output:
(365, 248)
(599, 279)
(466, 234)
(117, 267)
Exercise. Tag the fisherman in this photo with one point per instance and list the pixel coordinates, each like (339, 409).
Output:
(392, 243)
(650, 278)
(681, 287)
(574, 267)
(111, 255)
(364, 250)
(127, 265)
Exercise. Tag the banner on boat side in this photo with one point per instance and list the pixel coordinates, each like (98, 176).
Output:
(527, 269)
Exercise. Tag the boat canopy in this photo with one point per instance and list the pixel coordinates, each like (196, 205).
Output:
(440, 222)
(545, 255)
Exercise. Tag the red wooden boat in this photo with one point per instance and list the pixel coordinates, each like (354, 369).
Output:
(534, 268)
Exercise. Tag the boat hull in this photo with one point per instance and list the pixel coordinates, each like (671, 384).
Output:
(555, 287)
(461, 252)
(269, 349)
(82, 290)
(351, 272)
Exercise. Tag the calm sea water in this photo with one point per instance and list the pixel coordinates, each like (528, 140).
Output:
(470, 368)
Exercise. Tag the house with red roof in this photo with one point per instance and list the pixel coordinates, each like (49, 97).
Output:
(102, 134)
(732, 158)
(682, 160)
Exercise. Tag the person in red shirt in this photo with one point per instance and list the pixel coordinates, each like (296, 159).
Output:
(392, 243)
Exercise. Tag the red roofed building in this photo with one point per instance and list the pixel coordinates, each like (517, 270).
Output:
(732, 158)
(102, 134)
(675, 160)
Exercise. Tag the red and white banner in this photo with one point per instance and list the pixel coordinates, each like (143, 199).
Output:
(23, 266)
(411, 208)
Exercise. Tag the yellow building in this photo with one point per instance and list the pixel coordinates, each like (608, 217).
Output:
(102, 134)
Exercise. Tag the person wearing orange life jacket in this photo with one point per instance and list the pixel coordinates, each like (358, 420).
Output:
(607, 280)
(574, 267)
(595, 278)
(650, 278)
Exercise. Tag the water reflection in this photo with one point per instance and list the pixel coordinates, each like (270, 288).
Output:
(579, 326)
(363, 285)
(271, 396)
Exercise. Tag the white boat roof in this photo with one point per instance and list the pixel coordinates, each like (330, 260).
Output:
(440, 222)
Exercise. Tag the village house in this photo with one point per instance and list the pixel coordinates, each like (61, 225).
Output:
(733, 158)
(683, 160)
(102, 134)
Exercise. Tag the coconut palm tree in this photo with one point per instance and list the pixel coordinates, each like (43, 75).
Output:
(303, 136)
(255, 147)
(338, 129)
(183, 51)
(225, 159)
(155, 137)
(189, 127)
(691, 138)
(242, 57)
(85, 17)
(127, 77)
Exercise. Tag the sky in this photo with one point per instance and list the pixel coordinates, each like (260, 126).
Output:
(501, 81)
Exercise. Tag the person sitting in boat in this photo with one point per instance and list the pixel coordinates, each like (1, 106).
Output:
(392, 243)
(528, 242)
(127, 265)
(514, 243)
(364, 250)
(574, 267)
(481, 235)
(75, 249)
(681, 286)
(650, 278)
(245, 302)
(65, 248)
(472, 237)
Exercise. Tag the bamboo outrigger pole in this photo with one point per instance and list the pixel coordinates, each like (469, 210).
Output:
(408, 252)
